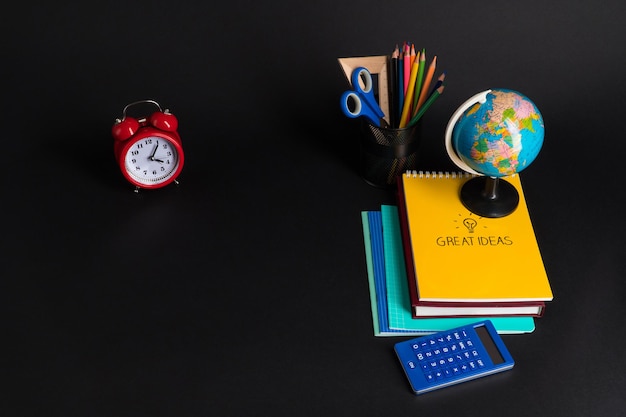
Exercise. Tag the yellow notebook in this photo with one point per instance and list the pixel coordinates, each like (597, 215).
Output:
(454, 255)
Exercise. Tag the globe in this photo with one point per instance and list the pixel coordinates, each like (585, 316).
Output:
(496, 133)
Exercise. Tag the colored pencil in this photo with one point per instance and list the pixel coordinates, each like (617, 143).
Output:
(408, 100)
(413, 54)
(393, 87)
(425, 87)
(407, 67)
(400, 90)
(420, 79)
(429, 102)
(439, 83)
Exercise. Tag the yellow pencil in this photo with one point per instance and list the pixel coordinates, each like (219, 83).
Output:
(427, 80)
(408, 100)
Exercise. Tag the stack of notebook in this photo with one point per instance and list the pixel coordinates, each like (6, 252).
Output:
(433, 265)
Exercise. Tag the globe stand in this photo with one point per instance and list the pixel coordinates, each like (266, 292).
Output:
(489, 197)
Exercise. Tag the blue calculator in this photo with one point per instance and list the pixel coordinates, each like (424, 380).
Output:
(453, 356)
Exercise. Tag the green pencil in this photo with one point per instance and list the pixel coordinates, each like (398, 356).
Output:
(425, 106)
(420, 78)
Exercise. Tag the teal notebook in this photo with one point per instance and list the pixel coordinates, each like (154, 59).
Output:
(369, 261)
(389, 293)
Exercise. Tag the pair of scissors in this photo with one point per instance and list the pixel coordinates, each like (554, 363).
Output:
(361, 100)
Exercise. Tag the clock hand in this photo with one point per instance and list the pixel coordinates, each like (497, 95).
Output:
(151, 157)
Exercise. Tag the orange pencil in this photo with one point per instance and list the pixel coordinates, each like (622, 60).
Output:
(413, 54)
(427, 80)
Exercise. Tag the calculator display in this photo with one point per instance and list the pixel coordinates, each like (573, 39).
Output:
(490, 346)
(453, 356)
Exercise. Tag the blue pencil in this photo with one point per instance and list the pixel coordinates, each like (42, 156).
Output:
(438, 84)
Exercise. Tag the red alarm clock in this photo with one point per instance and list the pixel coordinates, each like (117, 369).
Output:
(148, 150)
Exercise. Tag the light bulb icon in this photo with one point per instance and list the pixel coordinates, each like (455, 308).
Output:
(470, 224)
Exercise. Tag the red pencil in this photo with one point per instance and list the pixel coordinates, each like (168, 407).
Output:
(407, 66)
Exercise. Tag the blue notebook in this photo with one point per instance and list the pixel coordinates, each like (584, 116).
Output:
(389, 293)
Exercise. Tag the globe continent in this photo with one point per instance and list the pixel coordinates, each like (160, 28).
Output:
(501, 136)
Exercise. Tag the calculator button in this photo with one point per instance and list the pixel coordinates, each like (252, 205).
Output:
(445, 358)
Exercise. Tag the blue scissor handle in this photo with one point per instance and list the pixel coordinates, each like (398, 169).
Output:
(358, 107)
(363, 100)
(362, 73)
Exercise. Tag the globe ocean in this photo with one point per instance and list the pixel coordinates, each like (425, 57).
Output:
(500, 136)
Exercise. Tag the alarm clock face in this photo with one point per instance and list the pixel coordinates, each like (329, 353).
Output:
(151, 161)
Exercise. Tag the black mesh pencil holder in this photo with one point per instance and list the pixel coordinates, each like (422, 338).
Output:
(386, 153)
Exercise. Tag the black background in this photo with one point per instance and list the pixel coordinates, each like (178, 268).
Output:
(243, 291)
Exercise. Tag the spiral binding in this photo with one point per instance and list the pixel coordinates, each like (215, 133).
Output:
(439, 174)
(444, 174)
